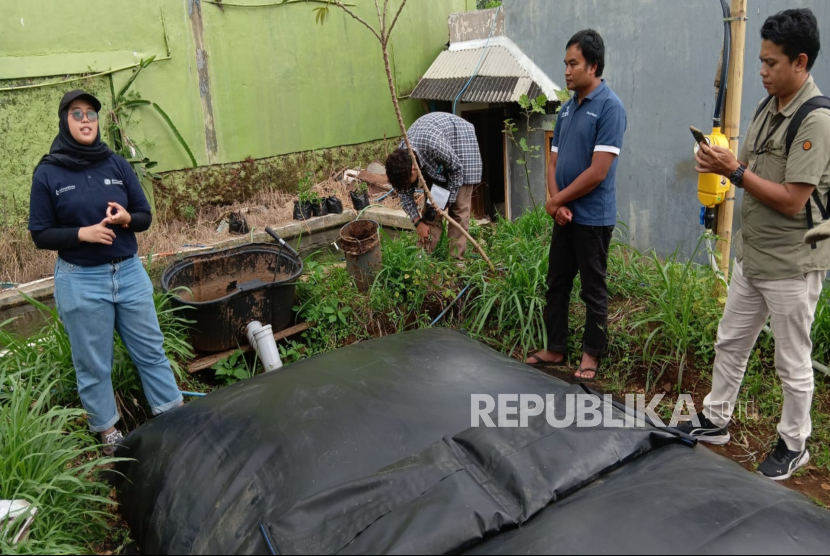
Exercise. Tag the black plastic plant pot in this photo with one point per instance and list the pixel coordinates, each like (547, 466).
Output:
(334, 205)
(302, 211)
(359, 202)
(320, 208)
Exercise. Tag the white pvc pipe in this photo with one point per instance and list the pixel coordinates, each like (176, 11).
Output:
(262, 340)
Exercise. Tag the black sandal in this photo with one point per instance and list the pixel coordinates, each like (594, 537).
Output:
(582, 369)
(542, 364)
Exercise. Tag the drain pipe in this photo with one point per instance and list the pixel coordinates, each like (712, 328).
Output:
(262, 340)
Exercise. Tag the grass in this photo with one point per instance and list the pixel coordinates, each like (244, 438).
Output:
(45, 459)
(50, 349)
(513, 300)
(47, 455)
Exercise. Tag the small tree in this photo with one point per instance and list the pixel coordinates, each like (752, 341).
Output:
(123, 103)
(382, 33)
(528, 152)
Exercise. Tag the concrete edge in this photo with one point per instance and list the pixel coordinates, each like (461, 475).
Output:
(393, 218)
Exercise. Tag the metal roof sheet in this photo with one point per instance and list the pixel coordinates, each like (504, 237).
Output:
(500, 78)
(481, 89)
(498, 62)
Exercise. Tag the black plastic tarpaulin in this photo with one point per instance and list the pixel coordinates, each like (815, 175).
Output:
(370, 449)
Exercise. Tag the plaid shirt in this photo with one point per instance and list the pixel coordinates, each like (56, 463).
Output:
(448, 154)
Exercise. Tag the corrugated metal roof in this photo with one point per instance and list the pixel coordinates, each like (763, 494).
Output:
(501, 78)
(498, 62)
(481, 89)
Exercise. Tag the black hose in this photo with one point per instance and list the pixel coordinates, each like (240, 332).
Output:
(720, 104)
(282, 242)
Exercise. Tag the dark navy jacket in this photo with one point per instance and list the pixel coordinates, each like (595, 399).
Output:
(67, 199)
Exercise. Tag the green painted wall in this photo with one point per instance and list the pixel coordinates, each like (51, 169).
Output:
(279, 82)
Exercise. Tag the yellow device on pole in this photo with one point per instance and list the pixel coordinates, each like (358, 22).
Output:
(712, 188)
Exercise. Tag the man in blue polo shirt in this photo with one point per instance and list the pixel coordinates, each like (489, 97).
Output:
(583, 202)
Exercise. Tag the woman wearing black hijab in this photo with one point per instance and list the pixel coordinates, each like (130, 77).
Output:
(87, 204)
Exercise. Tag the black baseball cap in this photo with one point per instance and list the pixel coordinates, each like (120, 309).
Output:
(75, 95)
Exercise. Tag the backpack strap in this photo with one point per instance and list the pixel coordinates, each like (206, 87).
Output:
(804, 110)
(792, 130)
(823, 210)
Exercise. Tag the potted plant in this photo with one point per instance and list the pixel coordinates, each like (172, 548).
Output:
(305, 196)
(360, 195)
(318, 206)
(334, 205)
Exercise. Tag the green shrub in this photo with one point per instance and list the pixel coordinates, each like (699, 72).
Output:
(48, 458)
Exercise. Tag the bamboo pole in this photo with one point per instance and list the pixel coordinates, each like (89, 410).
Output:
(732, 127)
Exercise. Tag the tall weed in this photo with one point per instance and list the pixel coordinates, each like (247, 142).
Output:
(48, 458)
(681, 310)
(508, 308)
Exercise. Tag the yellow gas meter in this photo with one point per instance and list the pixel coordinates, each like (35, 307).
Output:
(712, 188)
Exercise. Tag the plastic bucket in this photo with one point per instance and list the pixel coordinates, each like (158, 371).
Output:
(360, 242)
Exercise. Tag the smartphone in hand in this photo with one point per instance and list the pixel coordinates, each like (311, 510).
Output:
(698, 135)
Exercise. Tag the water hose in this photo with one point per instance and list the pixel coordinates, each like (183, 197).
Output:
(480, 60)
(724, 71)
(267, 538)
(444, 312)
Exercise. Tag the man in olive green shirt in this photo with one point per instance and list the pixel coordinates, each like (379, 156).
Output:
(777, 274)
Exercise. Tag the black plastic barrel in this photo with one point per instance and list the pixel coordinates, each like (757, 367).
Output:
(231, 287)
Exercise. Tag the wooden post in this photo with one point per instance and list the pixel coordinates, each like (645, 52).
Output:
(732, 126)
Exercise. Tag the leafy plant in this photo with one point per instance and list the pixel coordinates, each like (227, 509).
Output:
(528, 152)
(410, 283)
(234, 368)
(821, 328)
(336, 313)
(48, 459)
(123, 102)
(189, 212)
(508, 308)
(681, 299)
(292, 352)
(360, 187)
(327, 299)
(304, 190)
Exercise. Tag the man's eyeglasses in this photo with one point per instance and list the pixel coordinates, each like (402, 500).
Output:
(78, 115)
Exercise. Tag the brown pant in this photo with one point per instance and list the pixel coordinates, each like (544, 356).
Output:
(458, 211)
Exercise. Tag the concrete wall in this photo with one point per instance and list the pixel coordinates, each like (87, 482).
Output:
(661, 60)
(277, 81)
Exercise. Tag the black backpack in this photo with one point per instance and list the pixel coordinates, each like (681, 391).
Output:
(805, 109)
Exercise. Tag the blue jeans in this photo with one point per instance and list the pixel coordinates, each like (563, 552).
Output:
(93, 302)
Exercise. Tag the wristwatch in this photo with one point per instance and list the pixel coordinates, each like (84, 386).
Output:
(737, 176)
